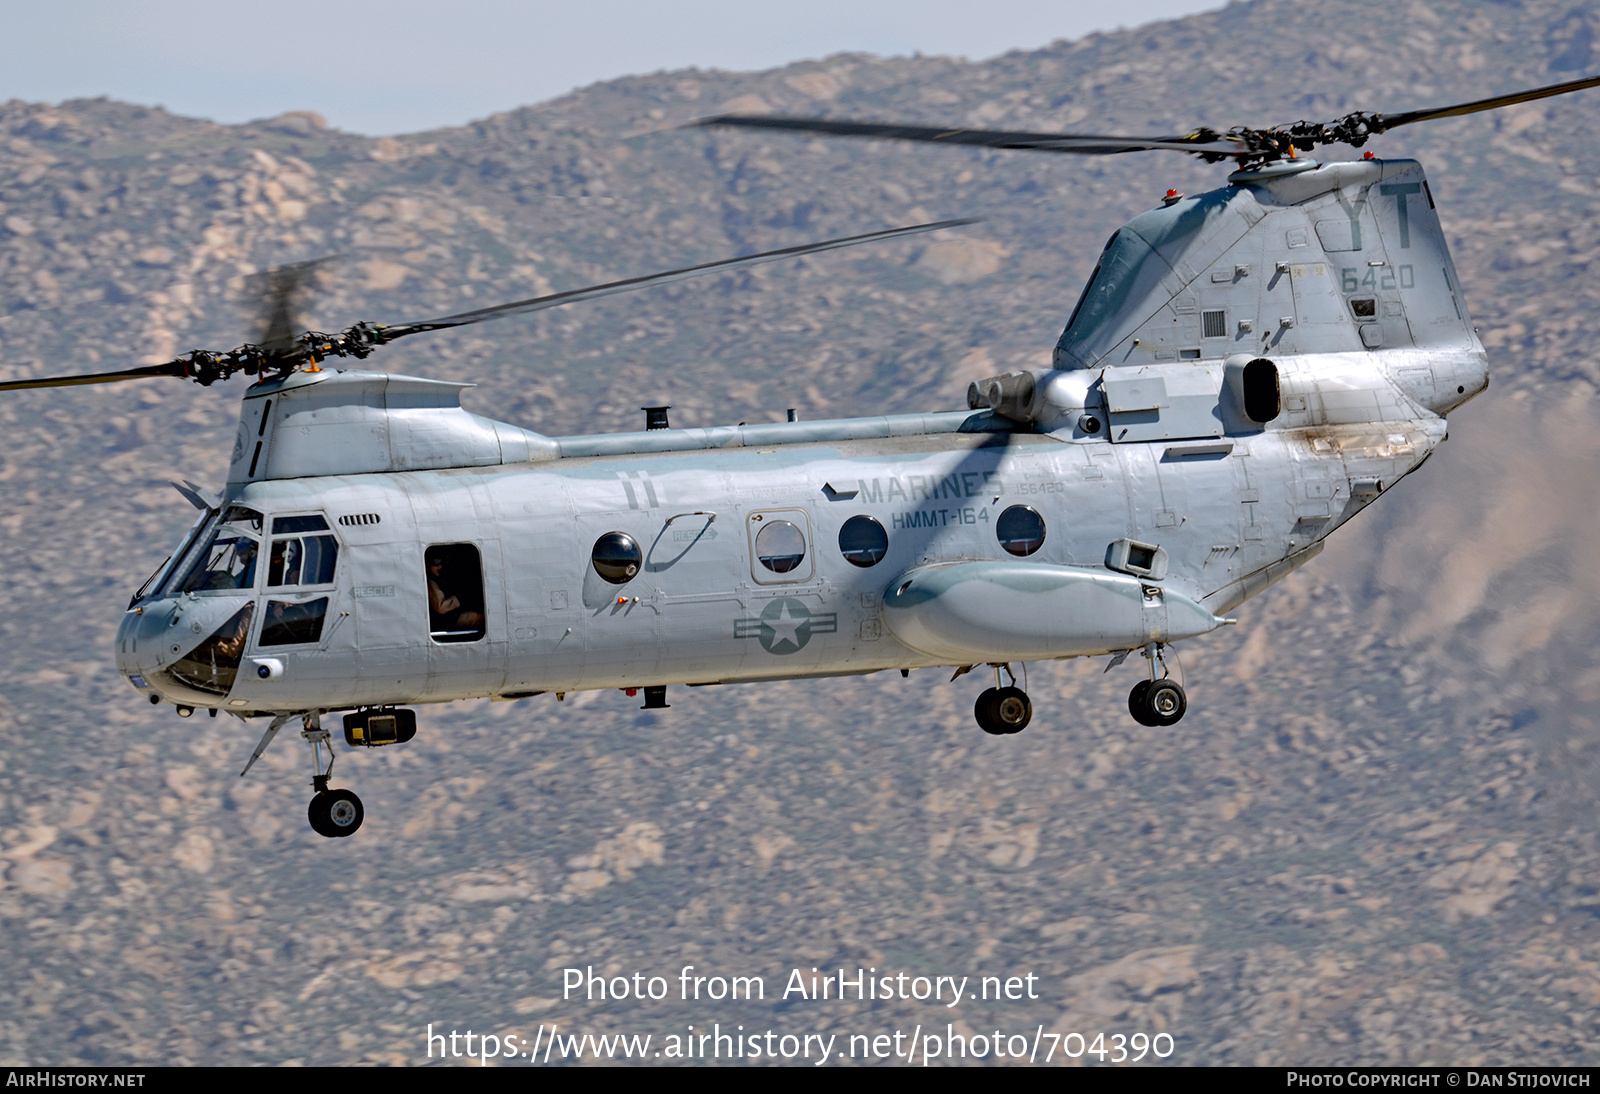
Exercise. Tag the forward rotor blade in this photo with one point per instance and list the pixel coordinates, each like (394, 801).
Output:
(554, 300)
(1082, 144)
(205, 367)
(1391, 121)
(171, 368)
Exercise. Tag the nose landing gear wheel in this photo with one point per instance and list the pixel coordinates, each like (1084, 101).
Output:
(335, 813)
(1003, 710)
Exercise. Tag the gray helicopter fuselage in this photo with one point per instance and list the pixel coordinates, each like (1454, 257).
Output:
(377, 545)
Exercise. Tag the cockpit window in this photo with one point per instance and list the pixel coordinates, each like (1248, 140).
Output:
(306, 560)
(290, 624)
(149, 581)
(249, 519)
(228, 560)
(173, 562)
(312, 523)
(213, 665)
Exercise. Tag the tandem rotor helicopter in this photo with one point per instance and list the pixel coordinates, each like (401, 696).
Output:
(1245, 371)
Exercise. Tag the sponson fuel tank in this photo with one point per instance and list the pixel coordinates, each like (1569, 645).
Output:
(1022, 611)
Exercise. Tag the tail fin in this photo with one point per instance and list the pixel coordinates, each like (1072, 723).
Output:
(1339, 258)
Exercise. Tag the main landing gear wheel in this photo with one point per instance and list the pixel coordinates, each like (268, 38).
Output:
(1157, 702)
(332, 813)
(335, 813)
(1003, 710)
(1136, 705)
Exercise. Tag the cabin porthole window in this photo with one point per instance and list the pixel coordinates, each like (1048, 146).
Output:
(616, 557)
(1020, 530)
(780, 546)
(863, 542)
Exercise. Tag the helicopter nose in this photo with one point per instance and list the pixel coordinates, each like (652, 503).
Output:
(185, 649)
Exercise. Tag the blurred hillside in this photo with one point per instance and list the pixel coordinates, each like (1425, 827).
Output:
(1373, 838)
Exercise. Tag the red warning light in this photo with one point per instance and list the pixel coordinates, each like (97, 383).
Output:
(1368, 156)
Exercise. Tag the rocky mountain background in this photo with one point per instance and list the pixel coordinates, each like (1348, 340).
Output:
(1372, 840)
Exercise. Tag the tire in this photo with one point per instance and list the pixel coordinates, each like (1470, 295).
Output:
(1012, 709)
(317, 814)
(335, 813)
(1165, 702)
(1136, 705)
(343, 813)
(984, 711)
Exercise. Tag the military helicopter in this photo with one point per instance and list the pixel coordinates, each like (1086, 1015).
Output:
(1245, 371)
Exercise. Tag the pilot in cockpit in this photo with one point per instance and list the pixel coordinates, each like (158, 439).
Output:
(232, 565)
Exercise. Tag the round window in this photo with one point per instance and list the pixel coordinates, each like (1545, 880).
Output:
(616, 557)
(780, 546)
(1020, 529)
(863, 542)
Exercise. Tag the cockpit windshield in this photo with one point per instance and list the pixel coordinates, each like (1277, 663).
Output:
(172, 562)
(228, 560)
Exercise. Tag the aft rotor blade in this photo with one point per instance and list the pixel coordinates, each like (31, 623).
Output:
(171, 368)
(281, 291)
(1390, 121)
(1082, 144)
(554, 300)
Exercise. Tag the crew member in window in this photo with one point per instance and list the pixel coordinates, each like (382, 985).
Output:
(234, 567)
(446, 609)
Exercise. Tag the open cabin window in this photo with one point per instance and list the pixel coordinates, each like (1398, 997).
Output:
(301, 559)
(454, 575)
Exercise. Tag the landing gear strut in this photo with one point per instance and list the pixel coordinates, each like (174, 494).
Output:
(332, 812)
(1003, 710)
(1158, 701)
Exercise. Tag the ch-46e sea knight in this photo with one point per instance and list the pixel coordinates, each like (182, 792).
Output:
(1245, 371)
